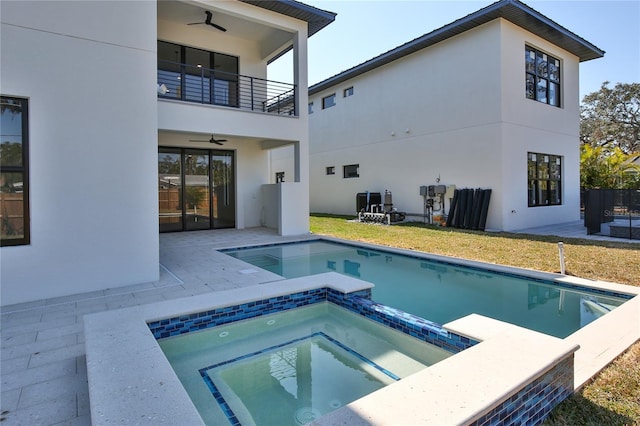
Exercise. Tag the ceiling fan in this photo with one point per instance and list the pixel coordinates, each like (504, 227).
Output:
(208, 22)
(212, 140)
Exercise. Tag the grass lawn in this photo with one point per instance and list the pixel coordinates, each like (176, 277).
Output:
(613, 397)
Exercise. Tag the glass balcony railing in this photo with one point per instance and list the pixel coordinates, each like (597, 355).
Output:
(207, 86)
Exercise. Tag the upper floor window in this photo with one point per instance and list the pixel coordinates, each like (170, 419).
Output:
(331, 170)
(328, 101)
(14, 171)
(310, 107)
(348, 92)
(197, 75)
(351, 171)
(542, 74)
(544, 173)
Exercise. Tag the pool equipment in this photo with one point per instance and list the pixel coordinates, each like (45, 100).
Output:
(370, 208)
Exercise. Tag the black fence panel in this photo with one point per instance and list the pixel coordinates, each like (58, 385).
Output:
(612, 212)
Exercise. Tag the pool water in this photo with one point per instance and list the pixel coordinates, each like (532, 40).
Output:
(292, 367)
(438, 291)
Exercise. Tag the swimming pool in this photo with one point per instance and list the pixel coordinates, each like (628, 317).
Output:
(442, 291)
(306, 362)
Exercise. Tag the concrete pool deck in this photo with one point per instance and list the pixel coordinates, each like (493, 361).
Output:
(43, 369)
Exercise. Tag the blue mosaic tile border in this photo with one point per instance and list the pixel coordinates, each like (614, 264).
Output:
(207, 319)
(359, 302)
(228, 411)
(412, 325)
(531, 404)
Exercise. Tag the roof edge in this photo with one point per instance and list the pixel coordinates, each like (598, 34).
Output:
(514, 11)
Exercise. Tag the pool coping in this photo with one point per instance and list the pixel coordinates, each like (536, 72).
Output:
(129, 377)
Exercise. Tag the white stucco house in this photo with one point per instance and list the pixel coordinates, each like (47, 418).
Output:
(113, 120)
(489, 101)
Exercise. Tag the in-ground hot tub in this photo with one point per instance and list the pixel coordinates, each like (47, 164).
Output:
(305, 361)
(130, 379)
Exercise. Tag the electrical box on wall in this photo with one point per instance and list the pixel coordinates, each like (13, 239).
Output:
(423, 190)
(451, 189)
(439, 189)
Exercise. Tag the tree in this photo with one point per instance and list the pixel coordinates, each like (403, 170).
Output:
(610, 169)
(610, 118)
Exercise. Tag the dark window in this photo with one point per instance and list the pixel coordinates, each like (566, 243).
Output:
(196, 189)
(544, 174)
(14, 171)
(310, 107)
(328, 101)
(197, 75)
(348, 91)
(279, 177)
(331, 170)
(542, 77)
(351, 171)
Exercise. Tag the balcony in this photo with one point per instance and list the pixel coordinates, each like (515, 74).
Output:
(208, 86)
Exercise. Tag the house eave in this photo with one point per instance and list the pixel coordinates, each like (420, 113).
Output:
(316, 18)
(513, 11)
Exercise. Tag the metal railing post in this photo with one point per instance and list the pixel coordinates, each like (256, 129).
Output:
(201, 85)
(251, 78)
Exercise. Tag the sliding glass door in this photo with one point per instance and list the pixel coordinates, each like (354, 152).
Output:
(170, 189)
(196, 189)
(222, 192)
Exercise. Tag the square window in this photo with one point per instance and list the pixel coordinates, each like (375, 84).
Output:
(348, 91)
(331, 170)
(351, 171)
(544, 173)
(328, 101)
(542, 77)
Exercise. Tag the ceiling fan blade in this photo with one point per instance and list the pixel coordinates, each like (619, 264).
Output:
(196, 23)
(211, 140)
(223, 29)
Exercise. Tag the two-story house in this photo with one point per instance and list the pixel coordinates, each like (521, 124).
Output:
(121, 119)
(489, 101)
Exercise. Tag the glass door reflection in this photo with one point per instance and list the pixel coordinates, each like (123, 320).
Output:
(223, 190)
(196, 190)
(170, 190)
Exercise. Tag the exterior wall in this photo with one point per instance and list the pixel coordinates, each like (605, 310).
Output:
(93, 145)
(456, 112)
(530, 126)
(409, 122)
(248, 132)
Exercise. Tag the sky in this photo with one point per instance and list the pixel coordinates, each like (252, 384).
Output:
(364, 29)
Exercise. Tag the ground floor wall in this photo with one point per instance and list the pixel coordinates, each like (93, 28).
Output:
(92, 155)
(258, 201)
(489, 157)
